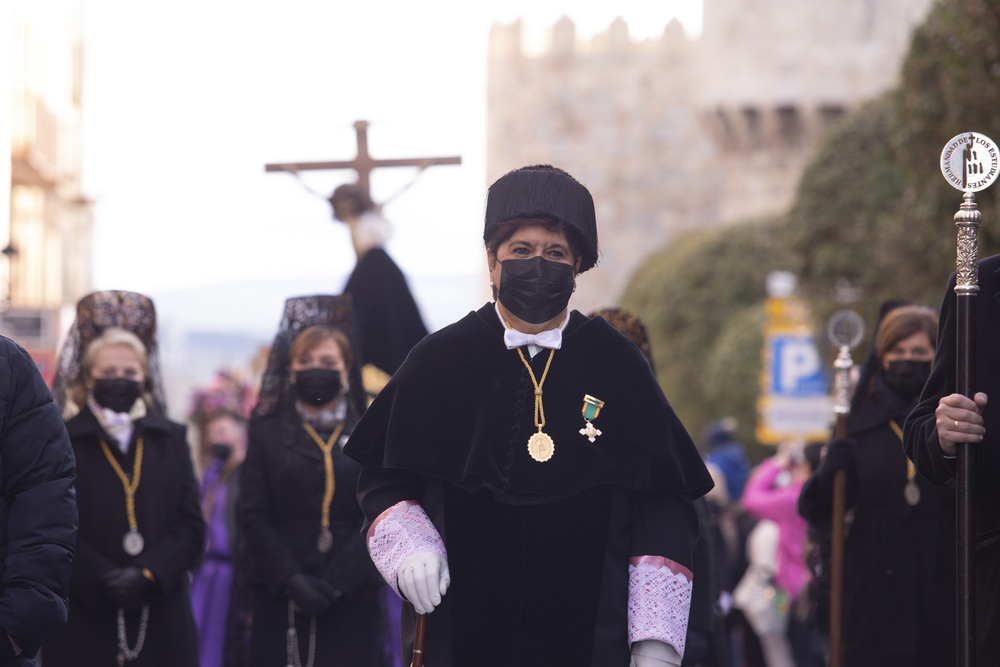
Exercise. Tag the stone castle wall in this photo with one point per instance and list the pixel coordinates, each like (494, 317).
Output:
(673, 134)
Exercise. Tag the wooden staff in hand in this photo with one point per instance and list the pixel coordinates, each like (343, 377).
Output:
(846, 328)
(418, 641)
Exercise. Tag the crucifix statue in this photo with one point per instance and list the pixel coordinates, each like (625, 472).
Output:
(364, 163)
(351, 202)
(389, 323)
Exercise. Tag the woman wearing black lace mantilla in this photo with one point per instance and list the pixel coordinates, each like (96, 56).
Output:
(315, 597)
(526, 484)
(141, 527)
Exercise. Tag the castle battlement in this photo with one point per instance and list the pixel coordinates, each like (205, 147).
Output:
(561, 41)
(672, 133)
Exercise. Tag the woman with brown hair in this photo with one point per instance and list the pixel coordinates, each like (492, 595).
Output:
(315, 597)
(898, 603)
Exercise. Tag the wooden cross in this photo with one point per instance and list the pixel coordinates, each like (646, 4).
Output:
(364, 163)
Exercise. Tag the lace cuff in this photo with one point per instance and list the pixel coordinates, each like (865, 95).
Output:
(398, 533)
(659, 600)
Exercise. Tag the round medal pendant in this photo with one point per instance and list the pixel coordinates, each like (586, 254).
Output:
(133, 542)
(325, 541)
(541, 447)
(912, 493)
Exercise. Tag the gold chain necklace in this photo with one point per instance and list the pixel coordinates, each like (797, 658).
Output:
(325, 540)
(540, 445)
(133, 542)
(911, 492)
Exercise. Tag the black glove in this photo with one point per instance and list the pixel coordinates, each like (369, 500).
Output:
(7, 652)
(306, 595)
(839, 454)
(327, 590)
(125, 586)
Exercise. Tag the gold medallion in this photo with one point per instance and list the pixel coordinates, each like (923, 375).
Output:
(911, 492)
(324, 542)
(541, 447)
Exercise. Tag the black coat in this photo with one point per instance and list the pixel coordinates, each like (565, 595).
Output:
(538, 552)
(38, 513)
(898, 606)
(921, 441)
(281, 496)
(169, 517)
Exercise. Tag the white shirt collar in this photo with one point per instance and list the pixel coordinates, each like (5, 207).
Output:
(550, 339)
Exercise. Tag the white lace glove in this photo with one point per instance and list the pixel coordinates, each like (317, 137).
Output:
(422, 579)
(652, 653)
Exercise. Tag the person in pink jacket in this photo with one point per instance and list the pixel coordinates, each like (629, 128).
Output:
(772, 493)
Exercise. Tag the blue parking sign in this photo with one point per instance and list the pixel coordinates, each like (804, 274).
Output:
(797, 369)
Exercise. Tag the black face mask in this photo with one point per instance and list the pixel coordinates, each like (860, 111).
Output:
(317, 386)
(536, 289)
(220, 450)
(116, 394)
(907, 377)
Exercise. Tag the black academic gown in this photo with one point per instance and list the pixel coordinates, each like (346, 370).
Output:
(281, 497)
(898, 590)
(538, 551)
(921, 442)
(169, 517)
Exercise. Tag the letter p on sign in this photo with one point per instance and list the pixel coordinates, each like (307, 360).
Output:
(798, 369)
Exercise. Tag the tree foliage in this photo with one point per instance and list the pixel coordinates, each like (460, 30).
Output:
(871, 221)
(700, 300)
(872, 210)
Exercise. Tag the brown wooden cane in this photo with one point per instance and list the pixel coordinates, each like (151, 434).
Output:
(837, 553)
(418, 641)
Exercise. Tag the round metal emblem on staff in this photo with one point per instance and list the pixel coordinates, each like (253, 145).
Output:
(970, 162)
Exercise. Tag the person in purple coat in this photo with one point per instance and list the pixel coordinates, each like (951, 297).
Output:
(220, 410)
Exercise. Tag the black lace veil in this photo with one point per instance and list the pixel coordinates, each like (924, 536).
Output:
(94, 313)
(302, 312)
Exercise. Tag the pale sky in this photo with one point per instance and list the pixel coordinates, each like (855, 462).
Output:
(186, 101)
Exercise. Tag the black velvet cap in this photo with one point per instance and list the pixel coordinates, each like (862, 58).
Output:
(547, 192)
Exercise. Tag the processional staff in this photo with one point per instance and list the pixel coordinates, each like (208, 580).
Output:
(969, 163)
(845, 330)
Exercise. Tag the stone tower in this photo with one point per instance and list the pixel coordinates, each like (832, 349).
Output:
(672, 134)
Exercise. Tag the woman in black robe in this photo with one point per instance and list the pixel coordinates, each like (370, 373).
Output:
(129, 601)
(899, 595)
(525, 483)
(309, 571)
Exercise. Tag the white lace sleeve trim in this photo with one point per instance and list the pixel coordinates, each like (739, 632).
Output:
(398, 533)
(659, 601)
